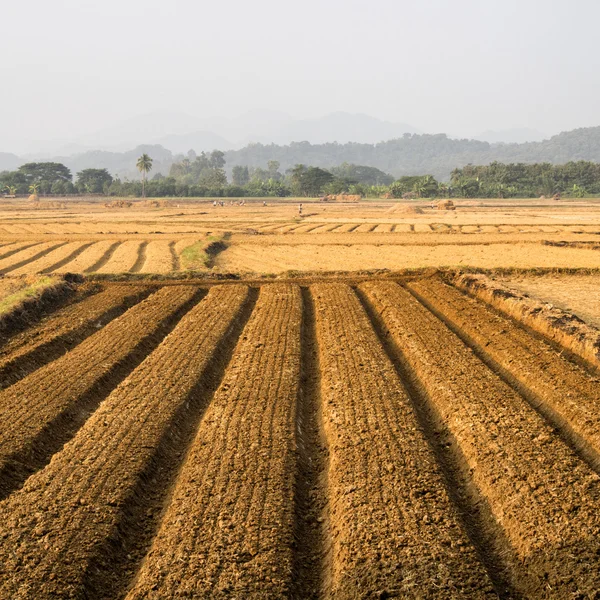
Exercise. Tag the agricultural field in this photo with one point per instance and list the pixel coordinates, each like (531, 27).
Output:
(342, 437)
(88, 237)
(369, 401)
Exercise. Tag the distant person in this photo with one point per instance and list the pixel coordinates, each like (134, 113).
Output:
(214, 202)
(300, 208)
(264, 202)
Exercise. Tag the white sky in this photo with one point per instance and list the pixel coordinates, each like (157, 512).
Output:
(69, 67)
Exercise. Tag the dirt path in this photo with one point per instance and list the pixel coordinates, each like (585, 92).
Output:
(393, 529)
(64, 329)
(542, 500)
(41, 412)
(82, 511)
(228, 531)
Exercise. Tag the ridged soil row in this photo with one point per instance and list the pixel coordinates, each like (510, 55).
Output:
(562, 391)
(541, 500)
(94, 257)
(62, 331)
(393, 528)
(27, 255)
(46, 263)
(123, 258)
(159, 258)
(14, 247)
(39, 413)
(73, 528)
(229, 528)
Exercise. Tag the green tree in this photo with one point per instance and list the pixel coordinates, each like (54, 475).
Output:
(93, 181)
(240, 175)
(144, 166)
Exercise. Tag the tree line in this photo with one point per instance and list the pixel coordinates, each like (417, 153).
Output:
(204, 175)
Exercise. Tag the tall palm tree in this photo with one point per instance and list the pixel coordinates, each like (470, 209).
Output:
(144, 165)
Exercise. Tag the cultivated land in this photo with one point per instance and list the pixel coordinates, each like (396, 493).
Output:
(258, 428)
(273, 239)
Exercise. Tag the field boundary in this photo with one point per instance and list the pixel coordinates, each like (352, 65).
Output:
(559, 326)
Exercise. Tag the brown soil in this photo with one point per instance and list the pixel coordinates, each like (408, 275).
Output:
(228, 531)
(276, 441)
(565, 328)
(63, 330)
(539, 495)
(43, 410)
(393, 530)
(79, 509)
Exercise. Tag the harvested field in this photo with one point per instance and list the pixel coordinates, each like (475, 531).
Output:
(53, 261)
(91, 258)
(257, 258)
(579, 294)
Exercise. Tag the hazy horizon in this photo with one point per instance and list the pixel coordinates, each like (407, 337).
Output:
(462, 67)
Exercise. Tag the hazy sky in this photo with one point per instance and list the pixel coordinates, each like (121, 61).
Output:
(69, 67)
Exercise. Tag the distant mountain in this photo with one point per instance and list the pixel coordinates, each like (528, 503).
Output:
(436, 154)
(342, 128)
(512, 136)
(142, 129)
(121, 164)
(9, 162)
(180, 132)
(407, 155)
(198, 141)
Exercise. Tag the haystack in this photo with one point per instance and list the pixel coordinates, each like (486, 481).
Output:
(445, 205)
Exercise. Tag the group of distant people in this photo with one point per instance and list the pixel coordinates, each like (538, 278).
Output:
(243, 203)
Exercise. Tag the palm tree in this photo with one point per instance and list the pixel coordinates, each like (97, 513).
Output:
(144, 165)
(34, 188)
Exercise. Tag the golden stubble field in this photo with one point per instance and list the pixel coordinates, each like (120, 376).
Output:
(273, 239)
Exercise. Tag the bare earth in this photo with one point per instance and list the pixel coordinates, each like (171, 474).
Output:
(579, 294)
(211, 435)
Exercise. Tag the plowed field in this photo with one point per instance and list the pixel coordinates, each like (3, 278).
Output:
(317, 439)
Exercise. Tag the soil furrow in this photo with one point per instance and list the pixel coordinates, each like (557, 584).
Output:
(106, 256)
(567, 396)
(542, 496)
(15, 247)
(312, 556)
(47, 262)
(43, 411)
(28, 255)
(61, 263)
(123, 258)
(394, 530)
(95, 518)
(228, 531)
(56, 335)
(488, 539)
(141, 259)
